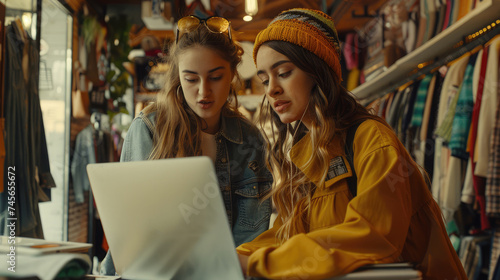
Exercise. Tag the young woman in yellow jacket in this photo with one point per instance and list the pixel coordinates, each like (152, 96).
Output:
(322, 230)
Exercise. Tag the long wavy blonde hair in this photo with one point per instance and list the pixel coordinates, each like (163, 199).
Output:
(178, 128)
(333, 111)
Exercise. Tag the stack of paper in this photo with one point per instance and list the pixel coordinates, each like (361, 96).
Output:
(22, 257)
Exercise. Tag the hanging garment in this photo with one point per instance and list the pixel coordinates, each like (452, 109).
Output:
(468, 193)
(84, 154)
(444, 129)
(441, 14)
(427, 108)
(431, 21)
(488, 109)
(450, 193)
(401, 123)
(409, 27)
(493, 178)
(390, 115)
(25, 137)
(382, 106)
(430, 119)
(38, 149)
(471, 249)
(418, 109)
(478, 181)
(454, 12)
(464, 8)
(388, 104)
(464, 89)
(446, 23)
(407, 132)
(459, 132)
(422, 25)
(494, 271)
(410, 108)
(400, 114)
(427, 145)
(451, 83)
(16, 140)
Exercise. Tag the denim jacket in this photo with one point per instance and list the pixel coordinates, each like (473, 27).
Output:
(239, 165)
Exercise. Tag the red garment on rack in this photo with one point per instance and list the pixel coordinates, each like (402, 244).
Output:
(479, 182)
(447, 15)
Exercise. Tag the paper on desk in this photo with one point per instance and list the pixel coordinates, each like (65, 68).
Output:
(52, 266)
(388, 271)
(101, 277)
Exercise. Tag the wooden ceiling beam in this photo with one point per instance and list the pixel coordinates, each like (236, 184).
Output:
(246, 31)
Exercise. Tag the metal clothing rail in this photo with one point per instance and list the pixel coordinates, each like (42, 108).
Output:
(469, 43)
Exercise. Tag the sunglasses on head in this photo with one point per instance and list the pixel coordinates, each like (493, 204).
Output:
(214, 24)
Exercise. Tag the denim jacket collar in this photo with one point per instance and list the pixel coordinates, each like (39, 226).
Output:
(231, 129)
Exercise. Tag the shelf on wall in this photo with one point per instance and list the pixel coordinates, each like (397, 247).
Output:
(439, 46)
(145, 96)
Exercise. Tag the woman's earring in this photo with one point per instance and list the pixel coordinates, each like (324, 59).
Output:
(232, 95)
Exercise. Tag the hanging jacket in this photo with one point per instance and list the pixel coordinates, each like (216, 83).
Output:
(25, 142)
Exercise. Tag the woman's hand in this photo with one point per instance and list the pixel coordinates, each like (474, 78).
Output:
(243, 262)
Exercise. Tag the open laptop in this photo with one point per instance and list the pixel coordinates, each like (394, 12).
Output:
(165, 219)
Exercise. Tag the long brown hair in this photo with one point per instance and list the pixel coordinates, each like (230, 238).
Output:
(333, 110)
(178, 128)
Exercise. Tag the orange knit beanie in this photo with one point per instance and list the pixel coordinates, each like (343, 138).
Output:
(311, 29)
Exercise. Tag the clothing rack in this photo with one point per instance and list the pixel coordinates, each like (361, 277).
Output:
(439, 46)
(469, 43)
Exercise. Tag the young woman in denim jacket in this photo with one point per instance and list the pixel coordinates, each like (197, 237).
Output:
(196, 114)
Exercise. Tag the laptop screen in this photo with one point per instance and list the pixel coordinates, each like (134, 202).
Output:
(165, 219)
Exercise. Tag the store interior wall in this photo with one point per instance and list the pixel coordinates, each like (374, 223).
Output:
(57, 34)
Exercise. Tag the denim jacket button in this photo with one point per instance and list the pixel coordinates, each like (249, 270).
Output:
(227, 188)
(223, 160)
(254, 187)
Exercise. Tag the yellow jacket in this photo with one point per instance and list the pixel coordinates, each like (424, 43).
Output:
(393, 218)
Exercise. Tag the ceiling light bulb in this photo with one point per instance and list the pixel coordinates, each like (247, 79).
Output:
(26, 19)
(251, 7)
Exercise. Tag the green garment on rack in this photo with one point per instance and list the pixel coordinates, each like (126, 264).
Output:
(456, 107)
(418, 109)
(444, 130)
(463, 115)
